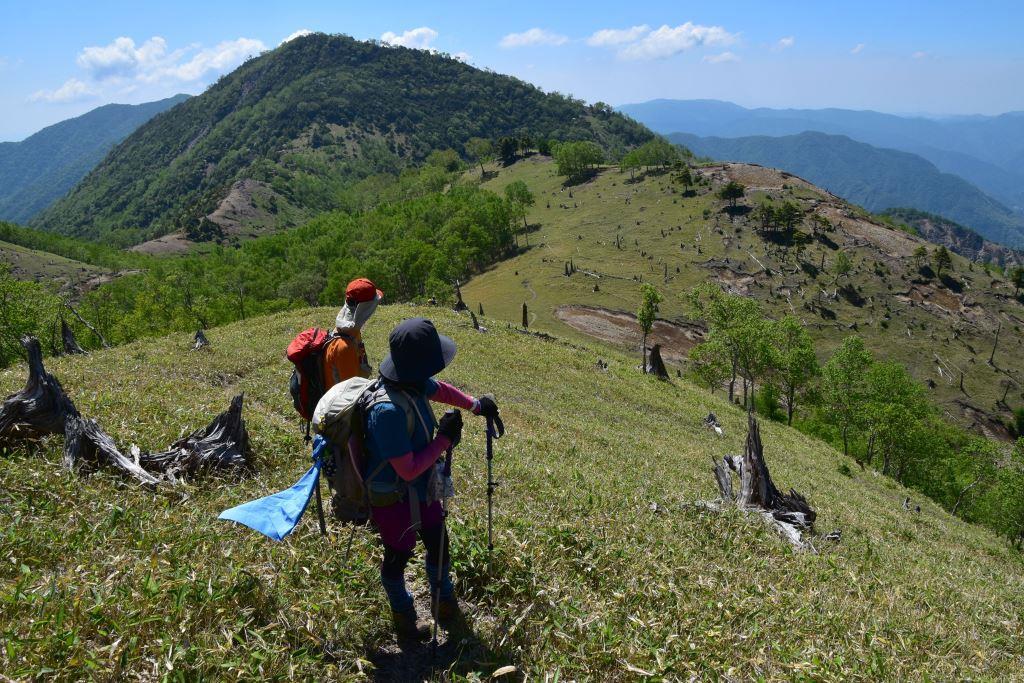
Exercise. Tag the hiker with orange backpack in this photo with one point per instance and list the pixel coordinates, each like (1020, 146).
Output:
(402, 465)
(345, 356)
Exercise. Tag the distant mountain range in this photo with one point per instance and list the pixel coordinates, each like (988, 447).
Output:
(874, 177)
(985, 150)
(43, 167)
(287, 134)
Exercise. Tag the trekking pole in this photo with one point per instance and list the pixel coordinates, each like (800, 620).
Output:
(492, 434)
(440, 553)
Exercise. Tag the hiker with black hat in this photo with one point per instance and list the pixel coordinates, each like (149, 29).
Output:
(401, 453)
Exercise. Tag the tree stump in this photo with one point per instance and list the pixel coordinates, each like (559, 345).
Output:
(40, 408)
(460, 305)
(655, 365)
(222, 445)
(201, 342)
(526, 317)
(68, 340)
(43, 408)
(789, 512)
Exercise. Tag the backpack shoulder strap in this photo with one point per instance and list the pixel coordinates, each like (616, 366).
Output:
(378, 393)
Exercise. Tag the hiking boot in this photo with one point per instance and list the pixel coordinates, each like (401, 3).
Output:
(407, 626)
(449, 614)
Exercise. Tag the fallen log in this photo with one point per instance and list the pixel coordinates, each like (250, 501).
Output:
(789, 512)
(222, 445)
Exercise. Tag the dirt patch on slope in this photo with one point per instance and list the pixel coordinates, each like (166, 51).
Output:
(238, 209)
(175, 243)
(617, 327)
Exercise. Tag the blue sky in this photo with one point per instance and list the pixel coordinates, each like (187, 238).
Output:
(60, 59)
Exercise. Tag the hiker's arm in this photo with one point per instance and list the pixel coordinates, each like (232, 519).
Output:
(446, 393)
(387, 430)
(413, 464)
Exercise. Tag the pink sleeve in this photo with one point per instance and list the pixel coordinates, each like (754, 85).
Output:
(412, 465)
(446, 393)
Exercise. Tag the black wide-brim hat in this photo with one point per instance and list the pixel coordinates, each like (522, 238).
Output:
(418, 352)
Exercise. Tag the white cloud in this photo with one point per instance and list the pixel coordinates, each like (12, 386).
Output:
(720, 58)
(122, 61)
(610, 37)
(121, 57)
(667, 41)
(857, 49)
(220, 59)
(534, 36)
(122, 67)
(297, 34)
(72, 91)
(417, 38)
(784, 43)
(920, 54)
(464, 57)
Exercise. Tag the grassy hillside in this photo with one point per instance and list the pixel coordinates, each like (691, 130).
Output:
(934, 330)
(872, 177)
(100, 578)
(47, 268)
(43, 167)
(287, 134)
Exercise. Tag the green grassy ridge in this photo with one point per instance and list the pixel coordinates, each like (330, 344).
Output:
(100, 578)
(46, 268)
(585, 230)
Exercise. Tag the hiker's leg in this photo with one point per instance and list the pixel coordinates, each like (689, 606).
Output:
(435, 540)
(392, 578)
(393, 523)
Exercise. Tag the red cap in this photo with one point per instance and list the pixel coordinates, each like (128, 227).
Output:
(362, 290)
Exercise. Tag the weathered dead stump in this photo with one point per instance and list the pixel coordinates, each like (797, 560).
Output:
(222, 445)
(40, 408)
(85, 442)
(200, 341)
(788, 512)
(43, 408)
(460, 305)
(68, 341)
(526, 317)
(655, 365)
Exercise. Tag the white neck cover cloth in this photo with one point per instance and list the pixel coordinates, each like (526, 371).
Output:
(354, 318)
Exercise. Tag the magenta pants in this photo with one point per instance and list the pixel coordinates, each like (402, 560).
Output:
(394, 522)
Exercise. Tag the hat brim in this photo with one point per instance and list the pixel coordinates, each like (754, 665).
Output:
(389, 371)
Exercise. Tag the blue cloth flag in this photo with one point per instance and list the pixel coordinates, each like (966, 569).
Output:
(278, 514)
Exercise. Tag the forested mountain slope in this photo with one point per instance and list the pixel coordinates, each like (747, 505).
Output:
(286, 134)
(602, 567)
(43, 167)
(872, 177)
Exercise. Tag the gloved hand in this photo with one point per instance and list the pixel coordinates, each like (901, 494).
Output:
(450, 425)
(488, 408)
